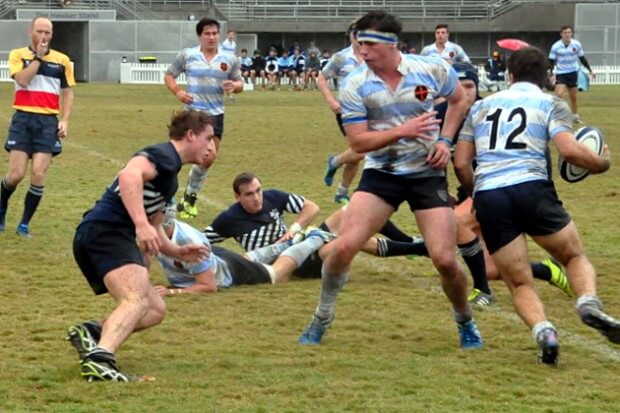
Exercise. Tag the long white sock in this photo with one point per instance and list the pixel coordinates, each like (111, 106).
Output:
(268, 254)
(300, 252)
(331, 285)
(196, 179)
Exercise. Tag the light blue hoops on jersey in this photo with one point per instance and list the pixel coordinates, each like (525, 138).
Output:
(204, 79)
(228, 47)
(566, 56)
(511, 130)
(452, 52)
(181, 274)
(366, 98)
(340, 65)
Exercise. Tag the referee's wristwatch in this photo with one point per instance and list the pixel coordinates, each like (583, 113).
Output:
(37, 58)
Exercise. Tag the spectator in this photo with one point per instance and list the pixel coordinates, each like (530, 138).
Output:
(313, 49)
(496, 71)
(246, 65)
(271, 67)
(258, 68)
(298, 67)
(313, 67)
(284, 65)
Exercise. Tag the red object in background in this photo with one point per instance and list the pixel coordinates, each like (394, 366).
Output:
(512, 44)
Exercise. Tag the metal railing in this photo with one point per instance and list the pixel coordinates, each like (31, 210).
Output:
(130, 10)
(340, 9)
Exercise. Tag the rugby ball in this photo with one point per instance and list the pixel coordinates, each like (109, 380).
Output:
(593, 139)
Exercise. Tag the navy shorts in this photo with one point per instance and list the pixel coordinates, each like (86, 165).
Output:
(33, 133)
(568, 79)
(311, 267)
(420, 193)
(340, 126)
(505, 213)
(218, 126)
(242, 270)
(100, 247)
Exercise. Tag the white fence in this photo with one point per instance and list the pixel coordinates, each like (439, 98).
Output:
(147, 73)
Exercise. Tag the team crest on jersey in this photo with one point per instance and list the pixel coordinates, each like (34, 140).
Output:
(224, 66)
(574, 50)
(274, 214)
(421, 93)
(451, 54)
(178, 264)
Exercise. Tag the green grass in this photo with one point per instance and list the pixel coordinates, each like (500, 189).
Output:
(393, 347)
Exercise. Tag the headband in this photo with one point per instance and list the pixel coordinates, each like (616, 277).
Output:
(373, 36)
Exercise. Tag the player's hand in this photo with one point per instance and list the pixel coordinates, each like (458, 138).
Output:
(593, 75)
(439, 156)
(161, 290)
(184, 97)
(193, 252)
(606, 155)
(421, 126)
(229, 86)
(148, 239)
(287, 236)
(334, 105)
(62, 129)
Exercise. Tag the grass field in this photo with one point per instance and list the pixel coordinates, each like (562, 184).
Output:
(393, 347)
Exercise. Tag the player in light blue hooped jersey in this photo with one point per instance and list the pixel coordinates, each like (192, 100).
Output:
(229, 45)
(338, 68)
(210, 75)
(507, 133)
(564, 55)
(387, 112)
(444, 48)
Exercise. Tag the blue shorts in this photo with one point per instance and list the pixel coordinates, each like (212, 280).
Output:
(100, 247)
(420, 193)
(568, 79)
(33, 133)
(531, 208)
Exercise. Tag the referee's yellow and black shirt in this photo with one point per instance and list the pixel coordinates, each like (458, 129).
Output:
(42, 95)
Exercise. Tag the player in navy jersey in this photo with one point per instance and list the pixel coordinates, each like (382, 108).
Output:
(508, 134)
(106, 250)
(223, 268)
(564, 55)
(257, 221)
(211, 73)
(387, 112)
